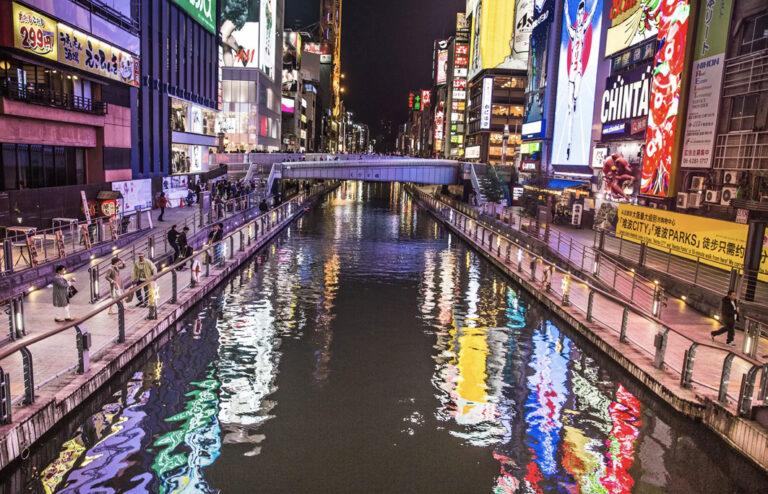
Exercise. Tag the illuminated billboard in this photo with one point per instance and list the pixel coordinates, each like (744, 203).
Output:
(630, 23)
(203, 11)
(500, 34)
(267, 38)
(665, 97)
(577, 75)
(441, 77)
(535, 100)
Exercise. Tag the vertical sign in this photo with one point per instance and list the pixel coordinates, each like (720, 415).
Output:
(85, 207)
(485, 111)
(706, 83)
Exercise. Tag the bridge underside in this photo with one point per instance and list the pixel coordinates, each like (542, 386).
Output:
(422, 174)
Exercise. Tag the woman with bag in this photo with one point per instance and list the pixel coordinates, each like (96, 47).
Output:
(62, 292)
(162, 203)
(115, 280)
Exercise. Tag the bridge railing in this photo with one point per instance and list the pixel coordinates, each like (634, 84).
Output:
(731, 378)
(79, 342)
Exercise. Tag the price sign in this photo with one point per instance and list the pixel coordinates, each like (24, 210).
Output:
(34, 32)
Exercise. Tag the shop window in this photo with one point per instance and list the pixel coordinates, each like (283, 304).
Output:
(49, 166)
(22, 162)
(29, 166)
(10, 174)
(60, 164)
(743, 112)
(755, 34)
(36, 166)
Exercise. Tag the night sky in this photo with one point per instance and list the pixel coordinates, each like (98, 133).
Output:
(386, 50)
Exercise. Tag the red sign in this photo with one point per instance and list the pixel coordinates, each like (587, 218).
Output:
(462, 61)
(462, 50)
(459, 84)
(426, 97)
(410, 101)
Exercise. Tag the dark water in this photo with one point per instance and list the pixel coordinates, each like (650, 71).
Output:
(369, 351)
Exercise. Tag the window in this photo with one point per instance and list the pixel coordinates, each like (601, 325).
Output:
(30, 166)
(755, 34)
(743, 112)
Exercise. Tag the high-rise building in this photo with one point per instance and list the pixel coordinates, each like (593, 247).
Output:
(330, 34)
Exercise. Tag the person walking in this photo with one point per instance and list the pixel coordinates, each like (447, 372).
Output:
(185, 250)
(729, 314)
(173, 241)
(162, 203)
(61, 295)
(143, 270)
(547, 277)
(115, 280)
(263, 208)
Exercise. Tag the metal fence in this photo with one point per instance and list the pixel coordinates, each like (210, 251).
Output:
(727, 377)
(79, 342)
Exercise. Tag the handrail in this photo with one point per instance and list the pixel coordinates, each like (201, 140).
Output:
(476, 185)
(730, 355)
(129, 293)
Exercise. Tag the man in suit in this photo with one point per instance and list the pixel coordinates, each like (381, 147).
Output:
(729, 313)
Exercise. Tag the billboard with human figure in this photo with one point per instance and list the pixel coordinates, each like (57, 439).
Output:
(577, 74)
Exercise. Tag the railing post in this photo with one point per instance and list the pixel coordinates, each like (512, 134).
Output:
(231, 246)
(624, 323)
(641, 255)
(242, 241)
(660, 342)
(83, 338)
(658, 300)
(8, 255)
(746, 391)
(725, 376)
(120, 322)
(762, 392)
(174, 286)
(596, 265)
(686, 376)
(16, 317)
(29, 376)
(5, 398)
(565, 285)
(590, 304)
(696, 273)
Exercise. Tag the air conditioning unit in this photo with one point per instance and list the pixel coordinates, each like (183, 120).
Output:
(694, 200)
(697, 183)
(712, 196)
(682, 200)
(731, 178)
(729, 193)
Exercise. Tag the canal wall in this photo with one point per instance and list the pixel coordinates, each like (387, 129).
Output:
(55, 401)
(745, 436)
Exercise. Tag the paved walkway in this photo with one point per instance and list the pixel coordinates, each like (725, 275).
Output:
(687, 325)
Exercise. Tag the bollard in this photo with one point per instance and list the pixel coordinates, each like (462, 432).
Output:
(565, 285)
(242, 241)
(29, 376)
(5, 398)
(83, 339)
(153, 294)
(660, 342)
(174, 286)
(590, 304)
(120, 322)
(16, 318)
(93, 283)
(532, 266)
(658, 299)
(596, 265)
(686, 376)
(725, 376)
(624, 322)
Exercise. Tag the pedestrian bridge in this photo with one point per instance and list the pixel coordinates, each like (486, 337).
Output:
(420, 171)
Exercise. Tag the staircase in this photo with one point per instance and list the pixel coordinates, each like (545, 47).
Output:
(479, 184)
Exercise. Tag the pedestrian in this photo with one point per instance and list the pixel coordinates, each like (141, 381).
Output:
(173, 238)
(61, 294)
(729, 314)
(143, 270)
(162, 203)
(547, 277)
(184, 249)
(115, 280)
(263, 206)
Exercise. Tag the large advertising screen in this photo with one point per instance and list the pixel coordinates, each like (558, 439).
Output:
(500, 34)
(706, 84)
(630, 23)
(624, 104)
(537, 66)
(268, 38)
(577, 75)
(442, 67)
(665, 96)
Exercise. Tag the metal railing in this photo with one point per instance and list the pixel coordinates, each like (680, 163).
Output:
(160, 290)
(730, 376)
(42, 96)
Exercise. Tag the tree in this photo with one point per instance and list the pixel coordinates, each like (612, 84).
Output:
(495, 192)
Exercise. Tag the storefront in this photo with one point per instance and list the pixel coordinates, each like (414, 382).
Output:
(194, 137)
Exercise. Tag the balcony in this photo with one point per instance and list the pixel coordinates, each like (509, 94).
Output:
(45, 97)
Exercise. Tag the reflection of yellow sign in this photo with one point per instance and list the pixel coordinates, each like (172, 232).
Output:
(714, 242)
(91, 55)
(34, 32)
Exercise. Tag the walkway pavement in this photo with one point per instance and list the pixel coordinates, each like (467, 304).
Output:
(686, 324)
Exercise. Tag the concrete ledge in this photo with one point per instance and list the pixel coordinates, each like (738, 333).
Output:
(54, 402)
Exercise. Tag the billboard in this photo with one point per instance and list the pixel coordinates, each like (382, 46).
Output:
(485, 110)
(203, 11)
(322, 49)
(624, 104)
(665, 97)
(34, 32)
(576, 79)
(537, 67)
(630, 23)
(500, 34)
(441, 77)
(715, 242)
(267, 38)
(707, 81)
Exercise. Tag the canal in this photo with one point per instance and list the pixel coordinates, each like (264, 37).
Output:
(368, 350)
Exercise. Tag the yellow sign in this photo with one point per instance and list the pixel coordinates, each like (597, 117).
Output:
(92, 55)
(714, 242)
(34, 32)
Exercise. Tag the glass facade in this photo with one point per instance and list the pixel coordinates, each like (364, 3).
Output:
(28, 166)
